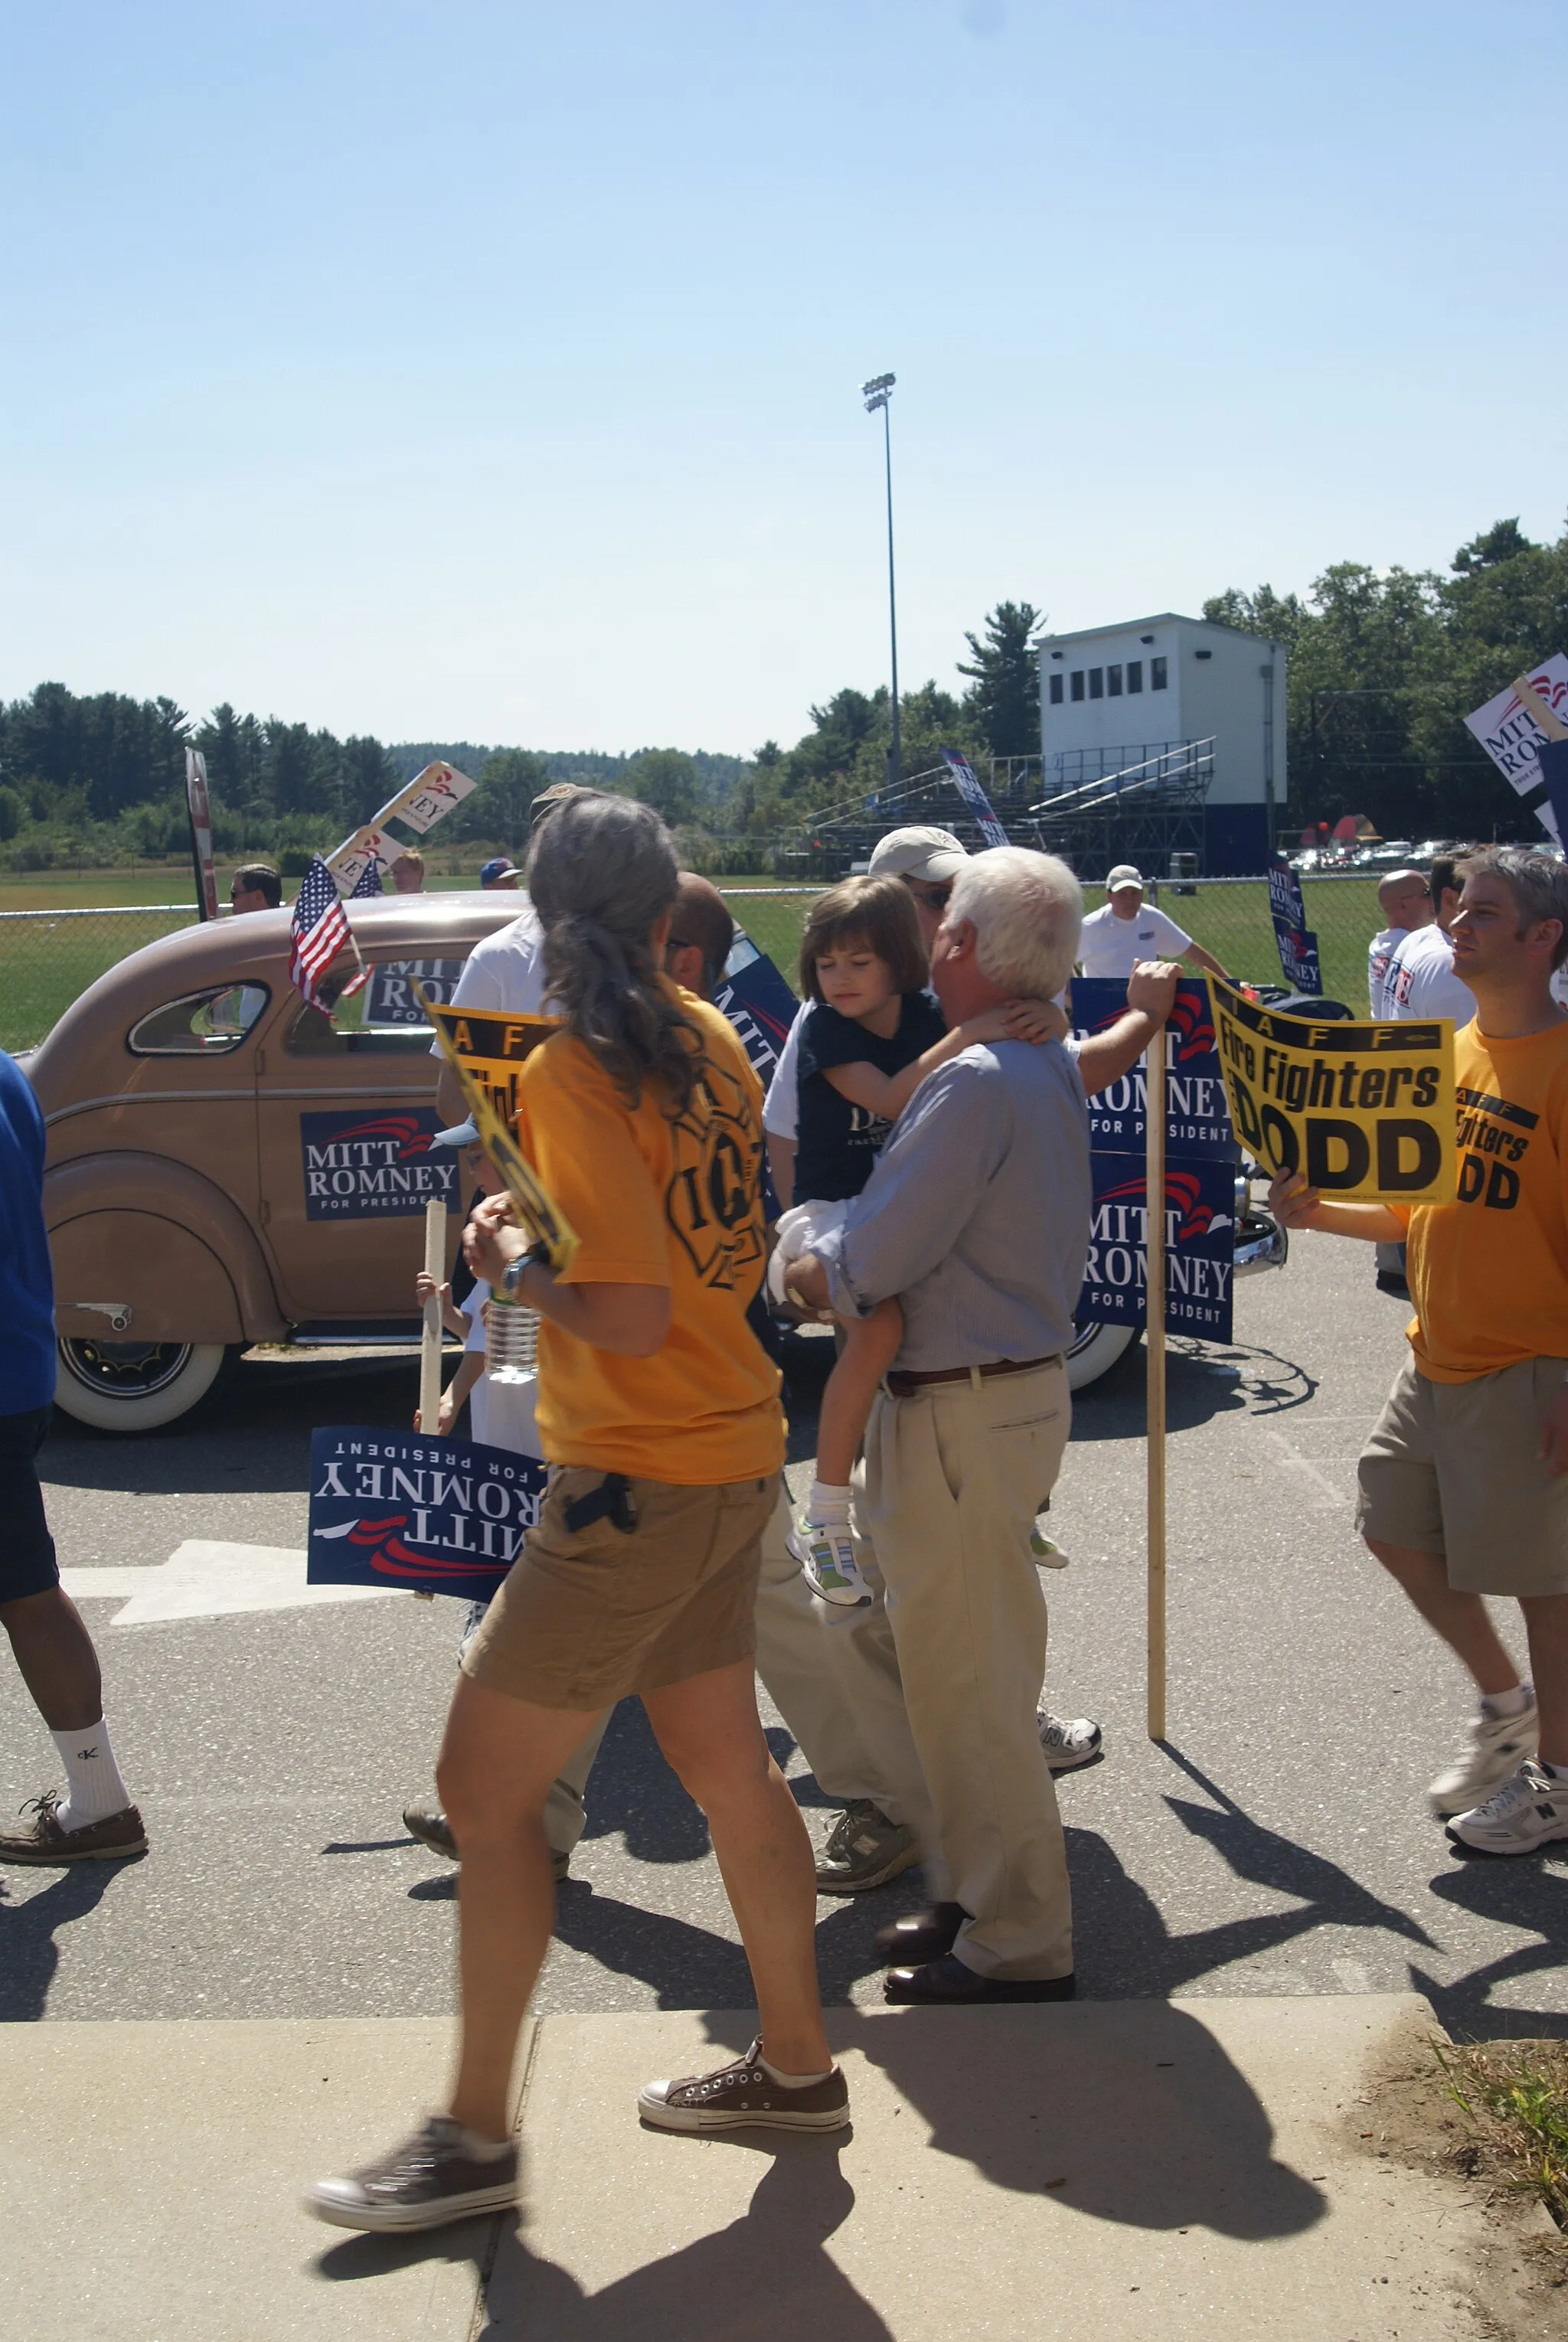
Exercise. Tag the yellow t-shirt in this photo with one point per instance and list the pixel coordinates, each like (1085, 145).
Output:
(1489, 1274)
(657, 1201)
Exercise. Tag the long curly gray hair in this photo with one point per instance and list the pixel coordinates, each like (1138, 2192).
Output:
(602, 870)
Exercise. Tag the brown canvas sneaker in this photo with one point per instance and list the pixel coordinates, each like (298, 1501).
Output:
(43, 1840)
(429, 2179)
(744, 2093)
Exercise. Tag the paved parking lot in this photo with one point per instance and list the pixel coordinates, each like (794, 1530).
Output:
(1277, 1843)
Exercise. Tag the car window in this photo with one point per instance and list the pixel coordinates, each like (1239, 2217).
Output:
(372, 1021)
(202, 1024)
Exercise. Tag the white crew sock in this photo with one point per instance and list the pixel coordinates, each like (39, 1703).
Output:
(1497, 1705)
(791, 2081)
(479, 2149)
(828, 1503)
(93, 1789)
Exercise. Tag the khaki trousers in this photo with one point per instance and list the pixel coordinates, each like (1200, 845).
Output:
(944, 1670)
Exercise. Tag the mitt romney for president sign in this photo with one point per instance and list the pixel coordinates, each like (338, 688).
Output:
(1197, 1118)
(1200, 1245)
(374, 1166)
(430, 1516)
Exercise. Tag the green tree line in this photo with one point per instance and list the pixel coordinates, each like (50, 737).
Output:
(1382, 670)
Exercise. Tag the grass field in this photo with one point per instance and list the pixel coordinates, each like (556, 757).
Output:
(45, 963)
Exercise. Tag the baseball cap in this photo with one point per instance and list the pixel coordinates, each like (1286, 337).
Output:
(461, 1134)
(917, 853)
(497, 868)
(1123, 874)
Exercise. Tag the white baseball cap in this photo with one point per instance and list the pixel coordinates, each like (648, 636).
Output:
(1123, 874)
(917, 853)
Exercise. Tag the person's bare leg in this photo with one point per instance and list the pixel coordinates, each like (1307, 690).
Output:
(870, 1346)
(1462, 1620)
(1546, 1623)
(54, 1654)
(709, 1730)
(498, 1762)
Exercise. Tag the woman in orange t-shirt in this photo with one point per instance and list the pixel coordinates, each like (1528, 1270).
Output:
(659, 1415)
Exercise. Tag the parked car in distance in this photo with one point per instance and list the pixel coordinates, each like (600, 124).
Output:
(228, 1166)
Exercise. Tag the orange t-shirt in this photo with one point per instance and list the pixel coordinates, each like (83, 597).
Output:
(657, 1201)
(1489, 1274)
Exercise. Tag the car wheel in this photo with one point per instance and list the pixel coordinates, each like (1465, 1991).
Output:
(1096, 1350)
(135, 1386)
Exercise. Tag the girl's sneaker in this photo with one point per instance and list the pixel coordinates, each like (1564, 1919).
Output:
(825, 1553)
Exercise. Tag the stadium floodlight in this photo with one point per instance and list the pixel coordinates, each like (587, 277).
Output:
(877, 393)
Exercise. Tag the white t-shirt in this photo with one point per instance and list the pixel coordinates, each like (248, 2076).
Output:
(1110, 944)
(1419, 981)
(1379, 953)
(505, 971)
(780, 1108)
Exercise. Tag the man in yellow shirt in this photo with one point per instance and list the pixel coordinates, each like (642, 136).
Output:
(1464, 1480)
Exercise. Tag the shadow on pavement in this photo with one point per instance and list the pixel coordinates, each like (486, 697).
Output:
(1516, 1892)
(1201, 1380)
(29, 1954)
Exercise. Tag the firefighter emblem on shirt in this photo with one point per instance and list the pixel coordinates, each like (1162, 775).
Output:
(714, 1200)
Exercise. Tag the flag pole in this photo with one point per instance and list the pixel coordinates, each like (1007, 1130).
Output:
(1154, 1343)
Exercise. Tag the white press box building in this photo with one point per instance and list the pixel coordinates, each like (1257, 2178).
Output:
(1116, 698)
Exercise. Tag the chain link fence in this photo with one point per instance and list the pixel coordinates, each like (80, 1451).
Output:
(48, 957)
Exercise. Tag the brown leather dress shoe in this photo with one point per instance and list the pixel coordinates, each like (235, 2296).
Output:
(43, 1840)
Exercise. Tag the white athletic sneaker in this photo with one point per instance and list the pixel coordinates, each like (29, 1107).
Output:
(1494, 1748)
(825, 1553)
(1524, 1814)
(1070, 1742)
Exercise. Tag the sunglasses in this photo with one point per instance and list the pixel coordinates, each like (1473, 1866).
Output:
(936, 898)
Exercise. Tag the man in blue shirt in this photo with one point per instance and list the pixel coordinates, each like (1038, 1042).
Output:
(93, 1819)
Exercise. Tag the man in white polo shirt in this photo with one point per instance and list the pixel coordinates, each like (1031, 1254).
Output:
(1128, 930)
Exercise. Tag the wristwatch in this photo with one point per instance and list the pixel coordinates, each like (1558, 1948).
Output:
(512, 1275)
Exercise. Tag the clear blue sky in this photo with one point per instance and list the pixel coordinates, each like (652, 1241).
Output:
(448, 368)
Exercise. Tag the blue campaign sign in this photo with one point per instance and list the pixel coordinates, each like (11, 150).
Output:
(761, 1006)
(1198, 1119)
(392, 1508)
(1200, 1245)
(374, 1166)
(1297, 944)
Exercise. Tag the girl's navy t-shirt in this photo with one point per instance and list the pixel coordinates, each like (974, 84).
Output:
(837, 1141)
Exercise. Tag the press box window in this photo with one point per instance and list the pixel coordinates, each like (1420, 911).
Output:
(1056, 691)
(1157, 675)
(1114, 682)
(1135, 674)
(202, 1025)
(1096, 682)
(1077, 683)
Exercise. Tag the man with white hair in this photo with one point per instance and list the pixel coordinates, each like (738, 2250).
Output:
(977, 1217)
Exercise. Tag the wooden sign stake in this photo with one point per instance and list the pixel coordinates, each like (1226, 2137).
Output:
(430, 1342)
(1154, 1341)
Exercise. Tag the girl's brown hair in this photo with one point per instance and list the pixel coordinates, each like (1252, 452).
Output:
(877, 913)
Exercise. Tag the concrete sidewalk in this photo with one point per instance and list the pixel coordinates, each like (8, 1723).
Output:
(1190, 2170)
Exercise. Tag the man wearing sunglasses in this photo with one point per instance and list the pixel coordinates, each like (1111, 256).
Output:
(256, 888)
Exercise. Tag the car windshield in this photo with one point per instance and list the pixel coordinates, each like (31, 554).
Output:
(202, 1024)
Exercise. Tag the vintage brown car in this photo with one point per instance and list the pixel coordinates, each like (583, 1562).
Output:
(229, 1165)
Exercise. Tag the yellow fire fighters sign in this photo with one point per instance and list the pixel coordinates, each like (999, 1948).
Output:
(1366, 1111)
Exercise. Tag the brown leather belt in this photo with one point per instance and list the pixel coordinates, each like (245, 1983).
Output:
(901, 1385)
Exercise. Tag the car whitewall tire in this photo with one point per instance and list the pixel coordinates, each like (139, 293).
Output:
(135, 1386)
(1096, 1350)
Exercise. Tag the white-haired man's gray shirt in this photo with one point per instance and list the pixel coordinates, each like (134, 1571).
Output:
(977, 1211)
(977, 1217)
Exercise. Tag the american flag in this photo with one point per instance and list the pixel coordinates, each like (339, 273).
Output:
(319, 930)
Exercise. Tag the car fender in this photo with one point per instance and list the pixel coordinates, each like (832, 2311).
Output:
(182, 1201)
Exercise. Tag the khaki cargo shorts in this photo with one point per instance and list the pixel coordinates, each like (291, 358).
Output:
(1454, 1468)
(586, 1618)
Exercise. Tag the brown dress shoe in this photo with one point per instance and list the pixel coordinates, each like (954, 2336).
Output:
(921, 1935)
(43, 1840)
(430, 1825)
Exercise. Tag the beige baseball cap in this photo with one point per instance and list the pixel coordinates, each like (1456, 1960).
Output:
(1125, 874)
(917, 853)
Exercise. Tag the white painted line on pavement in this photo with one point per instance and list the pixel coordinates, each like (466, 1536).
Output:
(204, 1578)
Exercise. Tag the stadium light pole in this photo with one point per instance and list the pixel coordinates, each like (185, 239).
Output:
(877, 393)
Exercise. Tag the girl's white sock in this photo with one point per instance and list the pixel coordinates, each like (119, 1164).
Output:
(828, 1502)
